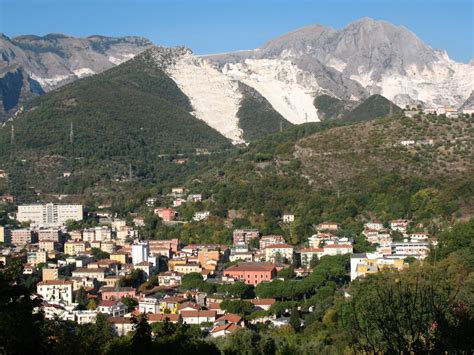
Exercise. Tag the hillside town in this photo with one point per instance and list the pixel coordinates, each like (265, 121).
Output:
(110, 269)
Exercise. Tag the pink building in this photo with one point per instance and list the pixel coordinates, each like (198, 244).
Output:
(167, 214)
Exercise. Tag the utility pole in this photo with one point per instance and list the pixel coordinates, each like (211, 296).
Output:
(71, 133)
(281, 126)
(12, 138)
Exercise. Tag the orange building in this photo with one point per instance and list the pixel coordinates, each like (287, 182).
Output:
(252, 273)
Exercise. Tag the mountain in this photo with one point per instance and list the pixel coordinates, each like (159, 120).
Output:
(54, 60)
(374, 107)
(469, 103)
(364, 58)
(131, 110)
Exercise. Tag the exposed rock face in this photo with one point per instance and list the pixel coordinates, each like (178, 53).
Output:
(368, 57)
(56, 59)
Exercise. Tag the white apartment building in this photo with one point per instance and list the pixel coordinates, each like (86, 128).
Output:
(283, 250)
(49, 214)
(140, 252)
(149, 305)
(55, 291)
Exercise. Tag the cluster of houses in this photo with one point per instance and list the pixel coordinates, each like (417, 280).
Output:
(68, 264)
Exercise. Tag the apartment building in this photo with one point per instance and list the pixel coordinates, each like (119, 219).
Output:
(49, 214)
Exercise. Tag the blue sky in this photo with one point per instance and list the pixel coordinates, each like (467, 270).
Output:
(212, 26)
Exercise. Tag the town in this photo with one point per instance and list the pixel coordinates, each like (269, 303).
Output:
(110, 269)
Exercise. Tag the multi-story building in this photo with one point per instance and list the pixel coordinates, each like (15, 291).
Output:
(75, 248)
(187, 268)
(55, 291)
(400, 225)
(167, 214)
(5, 235)
(251, 273)
(50, 274)
(49, 214)
(328, 226)
(21, 237)
(49, 234)
(97, 234)
(369, 263)
(48, 245)
(274, 252)
(170, 278)
(140, 252)
(244, 236)
(267, 240)
(208, 258)
(91, 273)
(201, 216)
(417, 250)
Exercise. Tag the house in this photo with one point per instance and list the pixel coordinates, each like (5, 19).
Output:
(147, 268)
(200, 216)
(244, 256)
(400, 225)
(229, 318)
(198, 317)
(417, 250)
(75, 248)
(337, 249)
(139, 221)
(320, 238)
(148, 305)
(121, 325)
(187, 268)
(178, 202)
(251, 273)
(288, 218)
(114, 308)
(167, 214)
(178, 190)
(274, 252)
(374, 225)
(267, 240)
(208, 258)
(171, 304)
(328, 226)
(377, 237)
(93, 273)
(244, 236)
(369, 263)
(170, 278)
(55, 291)
(194, 197)
(222, 330)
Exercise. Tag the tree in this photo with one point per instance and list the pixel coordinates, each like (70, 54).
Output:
(287, 273)
(141, 338)
(130, 302)
(237, 306)
(81, 297)
(295, 321)
(99, 254)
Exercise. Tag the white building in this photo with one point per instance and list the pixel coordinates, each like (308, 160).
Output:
(283, 250)
(149, 305)
(49, 214)
(140, 252)
(200, 216)
(288, 218)
(417, 250)
(55, 291)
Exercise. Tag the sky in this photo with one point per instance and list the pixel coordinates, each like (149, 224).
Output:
(213, 26)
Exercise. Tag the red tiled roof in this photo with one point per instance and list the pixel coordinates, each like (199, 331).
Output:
(312, 250)
(251, 267)
(263, 301)
(160, 317)
(230, 317)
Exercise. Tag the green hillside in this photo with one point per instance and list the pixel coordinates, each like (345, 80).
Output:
(374, 107)
(257, 118)
(133, 110)
(330, 107)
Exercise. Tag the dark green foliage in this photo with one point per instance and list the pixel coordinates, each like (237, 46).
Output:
(81, 297)
(99, 254)
(329, 107)
(374, 107)
(257, 118)
(237, 307)
(286, 273)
